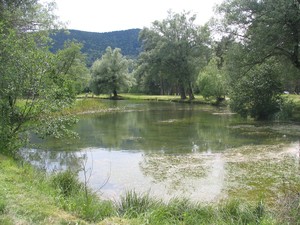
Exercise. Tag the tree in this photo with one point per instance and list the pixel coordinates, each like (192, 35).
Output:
(110, 73)
(175, 49)
(259, 93)
(267, 40)
(71, 62)
(33, 87)
(212, 81)
(269, 28)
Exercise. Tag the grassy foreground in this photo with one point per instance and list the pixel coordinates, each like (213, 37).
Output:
(28, 196)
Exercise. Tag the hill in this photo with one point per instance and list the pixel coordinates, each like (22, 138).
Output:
(94, 44)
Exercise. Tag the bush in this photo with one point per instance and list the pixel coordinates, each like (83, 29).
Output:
(286, 109)
(257, 94)
(212, 82)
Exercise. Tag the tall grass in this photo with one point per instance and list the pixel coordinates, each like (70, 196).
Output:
(73, 196)
(133, 205)
(2, 205)
(183, 211)
(28, 196)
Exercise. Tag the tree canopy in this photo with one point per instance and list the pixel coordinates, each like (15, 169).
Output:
(264, 44)
(269, 28)
(174, 50)
(35, 85)
(110, 73)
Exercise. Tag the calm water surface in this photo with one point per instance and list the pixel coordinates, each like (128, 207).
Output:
(163, 148)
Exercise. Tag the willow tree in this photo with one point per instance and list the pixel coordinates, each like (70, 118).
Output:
(176, 48)
(110, 73)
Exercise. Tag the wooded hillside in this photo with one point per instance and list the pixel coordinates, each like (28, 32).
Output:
(94, 44)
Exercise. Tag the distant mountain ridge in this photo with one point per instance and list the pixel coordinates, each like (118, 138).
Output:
(94, 44)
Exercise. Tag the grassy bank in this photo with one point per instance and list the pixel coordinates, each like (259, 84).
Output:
(28, 196)
(175, 98)
(92, 103)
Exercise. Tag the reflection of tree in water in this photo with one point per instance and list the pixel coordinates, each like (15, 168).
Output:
(52, 160)
(174, 170)
(169, 127)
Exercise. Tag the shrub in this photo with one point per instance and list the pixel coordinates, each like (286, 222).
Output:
(257, 94)
(286, 107)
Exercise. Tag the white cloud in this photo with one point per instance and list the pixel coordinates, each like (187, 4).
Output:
(103, 16)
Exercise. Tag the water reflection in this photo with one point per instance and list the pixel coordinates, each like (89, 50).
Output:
(166, 149)
(52, 160)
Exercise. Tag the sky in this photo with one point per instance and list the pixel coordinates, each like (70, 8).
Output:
(112, 15)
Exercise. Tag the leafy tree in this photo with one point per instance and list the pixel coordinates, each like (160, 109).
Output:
(28, 16)
(258, 94)
(175, 48)
(267, 40)
(71, 62)
(110, 73)
(34, 87)
(268, 28)
(212, 81)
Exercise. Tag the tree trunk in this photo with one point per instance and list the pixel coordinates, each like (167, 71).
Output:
(182, 92)
(162, 92)
(191, 93)
(115, 94)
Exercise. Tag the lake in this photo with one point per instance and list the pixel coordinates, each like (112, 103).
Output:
(169, 150)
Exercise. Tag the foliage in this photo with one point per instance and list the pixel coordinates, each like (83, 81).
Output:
(268, 28)
(95, 44)
(29, 72)
(110, 74)
(257, 93)
(28, 16)
(174, 49)
(71, 64)
(35, 84)
(266, 35)
(212, 81)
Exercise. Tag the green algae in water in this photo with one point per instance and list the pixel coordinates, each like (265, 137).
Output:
(261, 172)
(173, 168)
(201, 152)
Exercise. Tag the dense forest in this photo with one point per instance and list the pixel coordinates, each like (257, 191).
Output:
(94, 44)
